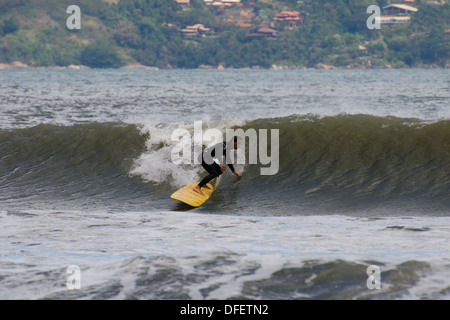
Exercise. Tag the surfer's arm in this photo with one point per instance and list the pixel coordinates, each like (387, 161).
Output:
(237, 173)
(227, 155)
(231, 168)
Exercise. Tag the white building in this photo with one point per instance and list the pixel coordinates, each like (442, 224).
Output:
(221, 2)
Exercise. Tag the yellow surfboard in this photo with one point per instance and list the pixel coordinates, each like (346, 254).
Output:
(192, 198)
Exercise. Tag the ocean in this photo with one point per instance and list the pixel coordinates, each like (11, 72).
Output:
(359, 207)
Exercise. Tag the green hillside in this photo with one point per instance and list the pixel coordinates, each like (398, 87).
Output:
(150, 33)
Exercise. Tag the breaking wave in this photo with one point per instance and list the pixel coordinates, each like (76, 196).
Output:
(344, 159)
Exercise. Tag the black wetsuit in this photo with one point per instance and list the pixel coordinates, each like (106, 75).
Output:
(212, 167)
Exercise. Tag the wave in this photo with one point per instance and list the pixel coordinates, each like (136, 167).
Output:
(202, 279)
(344, 159)
(362, 156)
(67, 162)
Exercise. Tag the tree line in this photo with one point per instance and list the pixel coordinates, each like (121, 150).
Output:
(148, 32)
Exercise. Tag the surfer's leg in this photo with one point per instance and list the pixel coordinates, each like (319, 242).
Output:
(206, 179)
(198, 190)
(207, 186)
(209, 177)
(213, 170)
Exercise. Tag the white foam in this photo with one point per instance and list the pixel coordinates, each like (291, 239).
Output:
(156, 164)
(433, 284)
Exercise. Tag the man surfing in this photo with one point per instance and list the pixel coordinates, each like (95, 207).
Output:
(212, 167)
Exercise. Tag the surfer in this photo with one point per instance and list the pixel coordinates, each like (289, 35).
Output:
(212, 167)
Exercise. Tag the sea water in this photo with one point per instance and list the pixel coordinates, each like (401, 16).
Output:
(86, 176)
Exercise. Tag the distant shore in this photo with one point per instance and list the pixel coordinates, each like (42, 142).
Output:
(320, 66)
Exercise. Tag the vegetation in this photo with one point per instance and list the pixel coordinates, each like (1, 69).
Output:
(116, 33)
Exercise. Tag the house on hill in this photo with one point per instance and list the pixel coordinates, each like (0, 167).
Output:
(393, 19)
(402, 1)
(291, 18)
(399, 9)
(396, 14)
(197, 30)
(264, 32)
(222, 3)
(183, 3)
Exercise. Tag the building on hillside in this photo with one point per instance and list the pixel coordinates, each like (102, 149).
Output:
(396, 14)
(230, 1)
(393, 19)
(362, 49)
(428, 2)
(435, 3)
(244, 20)
(268, 32)
(402, 1)
(183, 3)
(222, 3)
(399, 9)
(197, 30)
(291, 18)
(263, 32)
